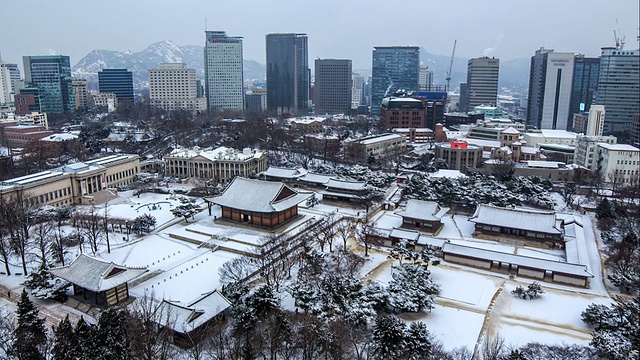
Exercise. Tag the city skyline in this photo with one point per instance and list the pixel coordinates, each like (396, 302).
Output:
(495, 28)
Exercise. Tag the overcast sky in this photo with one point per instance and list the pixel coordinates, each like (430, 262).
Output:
(349, 29)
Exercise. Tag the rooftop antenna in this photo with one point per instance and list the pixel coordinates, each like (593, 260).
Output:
(205, 24)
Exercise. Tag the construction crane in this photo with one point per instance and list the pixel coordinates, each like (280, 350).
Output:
(619, 37)
(453, 53)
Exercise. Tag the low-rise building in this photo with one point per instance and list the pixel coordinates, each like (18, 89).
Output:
(617, 163)
(460, 155)
(530, 225)
(221, 164)
(73, 184)
(19, 136)
(416, 135)
(344, 190)
(359, 150)
(585, 153)
(259, 203)
(402, 112)
(307, 125)
(422, 215)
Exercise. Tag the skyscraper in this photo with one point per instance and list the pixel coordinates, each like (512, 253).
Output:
(333, 86)
(51, 74)
(482, 82)
(117, 81)
(173, 86)
(288, 74)
(223, 71)
(9, 74)
(619, 87)
(394, 68)
(357, 91)
(550, 79)
(584, 84)
(425, 79)
(80, 93)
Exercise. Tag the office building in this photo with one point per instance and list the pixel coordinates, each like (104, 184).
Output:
(425, 79)
(357, 91)
(596, 120)
(402, 112)
(464, 98)
(635, 130)
(117, 81)
(223, 71)
(333, 86)
(5, 85)
(80, 93)
(585, 153)
(172, 86)
(619, 87)
(255, 101)
(584, 83)
(394, 68)
(288, 74)
(550, 78)
(482, 82)
(51, 75)
(617, 163)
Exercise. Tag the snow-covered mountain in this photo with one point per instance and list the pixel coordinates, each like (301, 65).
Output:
(149, 58)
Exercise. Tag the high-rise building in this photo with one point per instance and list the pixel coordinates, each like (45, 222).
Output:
(288, 74)
(357, 90)
(394, 68)
(51, 74)
(425, 79)
(595, 124)
(117, 81)
(333, 86)
(550, 79)
(80, 93)
(584, 83)
(482, 82)
(9, 74)
(464, 96)
(619, 87)
(223, 71)
(172, 86)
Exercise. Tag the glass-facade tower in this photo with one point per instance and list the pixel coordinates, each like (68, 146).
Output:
(51, 74)
(288, 74)
(117, 81)
(223, 73)
(585, 82)
(394, 68)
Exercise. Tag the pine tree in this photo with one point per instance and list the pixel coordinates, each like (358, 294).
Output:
(418, 341)
(30, 336)
(66, 342)
(86, 336)
(389, 338)
(112, 335)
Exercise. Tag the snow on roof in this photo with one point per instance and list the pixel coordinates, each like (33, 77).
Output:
(423, 210)
(95, 274)
(60, 137)
(529, 150)
(321, 179)
(220, 153)
(404, 234)
(259, 196)
(535, 263)
(510, 130)
(186, 318)
(623, 147)
(524, 219)
(346, 185)
(378, 138)
(558, 133)
(544, 164)
(284, 173)
(111, 159)
(446, 173)
(307, 120)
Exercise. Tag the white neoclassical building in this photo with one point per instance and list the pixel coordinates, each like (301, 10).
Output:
(221, 164)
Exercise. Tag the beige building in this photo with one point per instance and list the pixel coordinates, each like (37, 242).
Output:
(221, 164)
(74, 183)
(110, 100)
(375, 145)
(80, 93)
(459, 155)
(173, 86)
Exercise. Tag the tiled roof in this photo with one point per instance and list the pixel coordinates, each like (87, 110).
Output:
(259, 196)
(95, 274)
(524, 219)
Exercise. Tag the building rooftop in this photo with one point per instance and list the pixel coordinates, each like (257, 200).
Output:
(619, 147)
(95, 274)
(423, 210)
(258, 196)
(518, 218)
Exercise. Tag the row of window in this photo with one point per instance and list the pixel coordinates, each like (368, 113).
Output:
(52, 195)
(628, 162)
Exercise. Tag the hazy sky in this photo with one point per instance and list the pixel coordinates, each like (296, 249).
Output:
(336, 28)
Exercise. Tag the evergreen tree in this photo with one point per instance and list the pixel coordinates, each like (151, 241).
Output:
(86, 336)
(604, 210)
(389, 337)
(66, 342)
(418, 341)
(30, 336)
(111, 336)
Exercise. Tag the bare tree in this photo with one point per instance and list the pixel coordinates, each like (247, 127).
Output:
(368, 235)
(92, 228)
(328, 231)
(345, 228)
(493, 348)
(236, 270)
(42, 236)
(7, 327)
(150, 322)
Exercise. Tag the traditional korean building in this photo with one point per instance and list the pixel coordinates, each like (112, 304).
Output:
(259, 203)
(344, 190)
(536, 225)
(188, 322)
(283, 174)
(98, 282)
(422, 215)
(313, 179)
